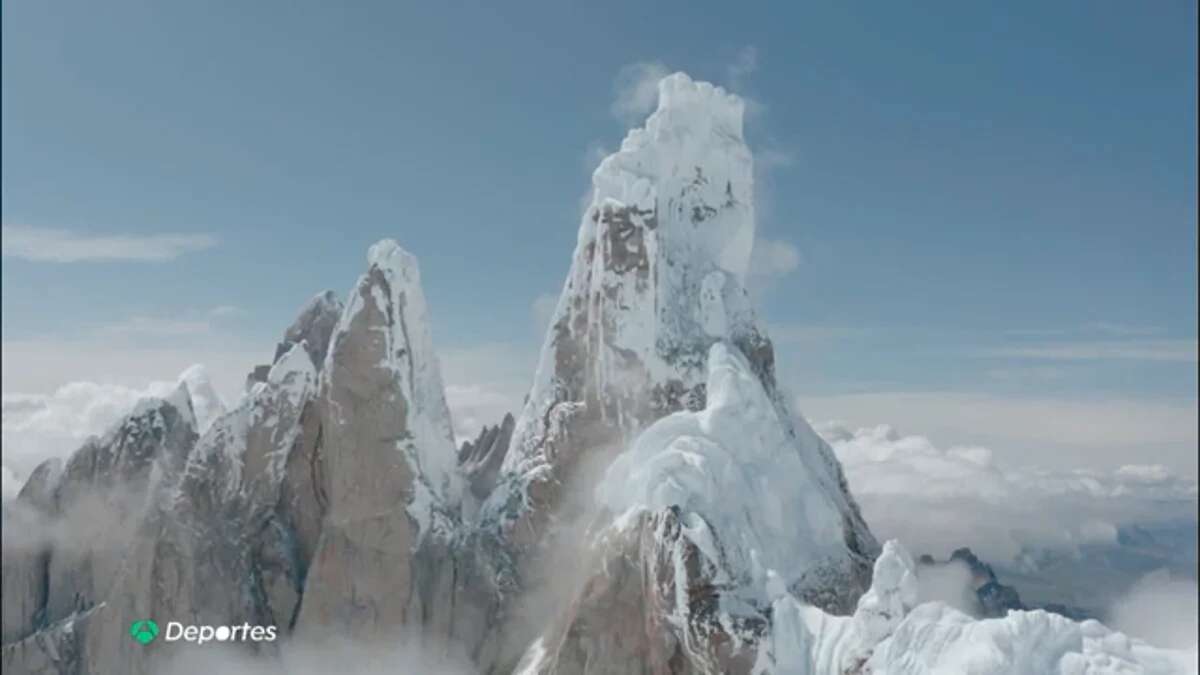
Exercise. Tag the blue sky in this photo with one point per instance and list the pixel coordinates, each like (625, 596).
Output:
(989, 207)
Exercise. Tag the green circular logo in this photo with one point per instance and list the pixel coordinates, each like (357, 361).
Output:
(143, 631)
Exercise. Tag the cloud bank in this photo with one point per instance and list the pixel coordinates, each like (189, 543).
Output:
(1160, 609)
(37, 427)
(936, 500)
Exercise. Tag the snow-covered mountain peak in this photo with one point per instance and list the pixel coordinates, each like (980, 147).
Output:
(387, 254)
(313, 326)
(686, 103)
(206, 403)
(382, 346)
(657, 277)
(655, 359)
(293, 366)
(689, 170)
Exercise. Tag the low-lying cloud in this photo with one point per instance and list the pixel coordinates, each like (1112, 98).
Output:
(936, 500)
(404, 655)
(37, 427)
(1160, 609)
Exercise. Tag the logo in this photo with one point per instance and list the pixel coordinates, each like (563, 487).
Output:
(146, 631)
(143, 631)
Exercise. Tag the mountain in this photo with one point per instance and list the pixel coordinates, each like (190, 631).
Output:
(655, 507)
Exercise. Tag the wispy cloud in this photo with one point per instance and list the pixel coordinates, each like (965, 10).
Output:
(44, 244)
(635, 91)
(743, 66)
(770, 261)
(1027, 374)
(1122, 329)
(774, 257)
(133, 351)
(192, 323)
(808, 335)
(543, 311)
(1179, 351)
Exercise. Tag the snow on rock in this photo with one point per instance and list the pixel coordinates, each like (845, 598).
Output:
(666, 238)
(87, 510)
(206, 403)
(268, 414)
(390, 303)
(935, 638)
(892, 595)
(736, 466)
(388, 460)
(888, 635)
(313, 326)
(658, 278)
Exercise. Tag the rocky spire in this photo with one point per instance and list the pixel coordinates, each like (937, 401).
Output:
(314, 327)
(388, 454)
(74, 521)
(480, 460)
(658, 278)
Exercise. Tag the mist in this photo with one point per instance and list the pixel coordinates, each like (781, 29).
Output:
(1160, 609)
(950, 583)
(406, 656)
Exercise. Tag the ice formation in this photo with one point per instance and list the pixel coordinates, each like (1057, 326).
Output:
(735, 465)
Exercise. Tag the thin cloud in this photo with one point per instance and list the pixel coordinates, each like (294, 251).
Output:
(1027, 374)
(43, 244)
(1112, 329)
(1122, 329)
(177, 325)
(543, 311)
(485, 381)
(810, 335)
(1054, 432)
(744, 64)
(635, 91)
(770, 261)
(1178, 351)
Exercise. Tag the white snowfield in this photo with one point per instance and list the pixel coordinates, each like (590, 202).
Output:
(888, 635)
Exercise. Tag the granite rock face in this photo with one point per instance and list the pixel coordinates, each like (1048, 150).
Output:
(90, 527)
(387, 455)
(480, 460)
(27, 553)
(156, 520)
(313, 327)
(657, 279)
(649, 604)
(330, 499)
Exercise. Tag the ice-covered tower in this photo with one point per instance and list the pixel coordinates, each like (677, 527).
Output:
(658, 278)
